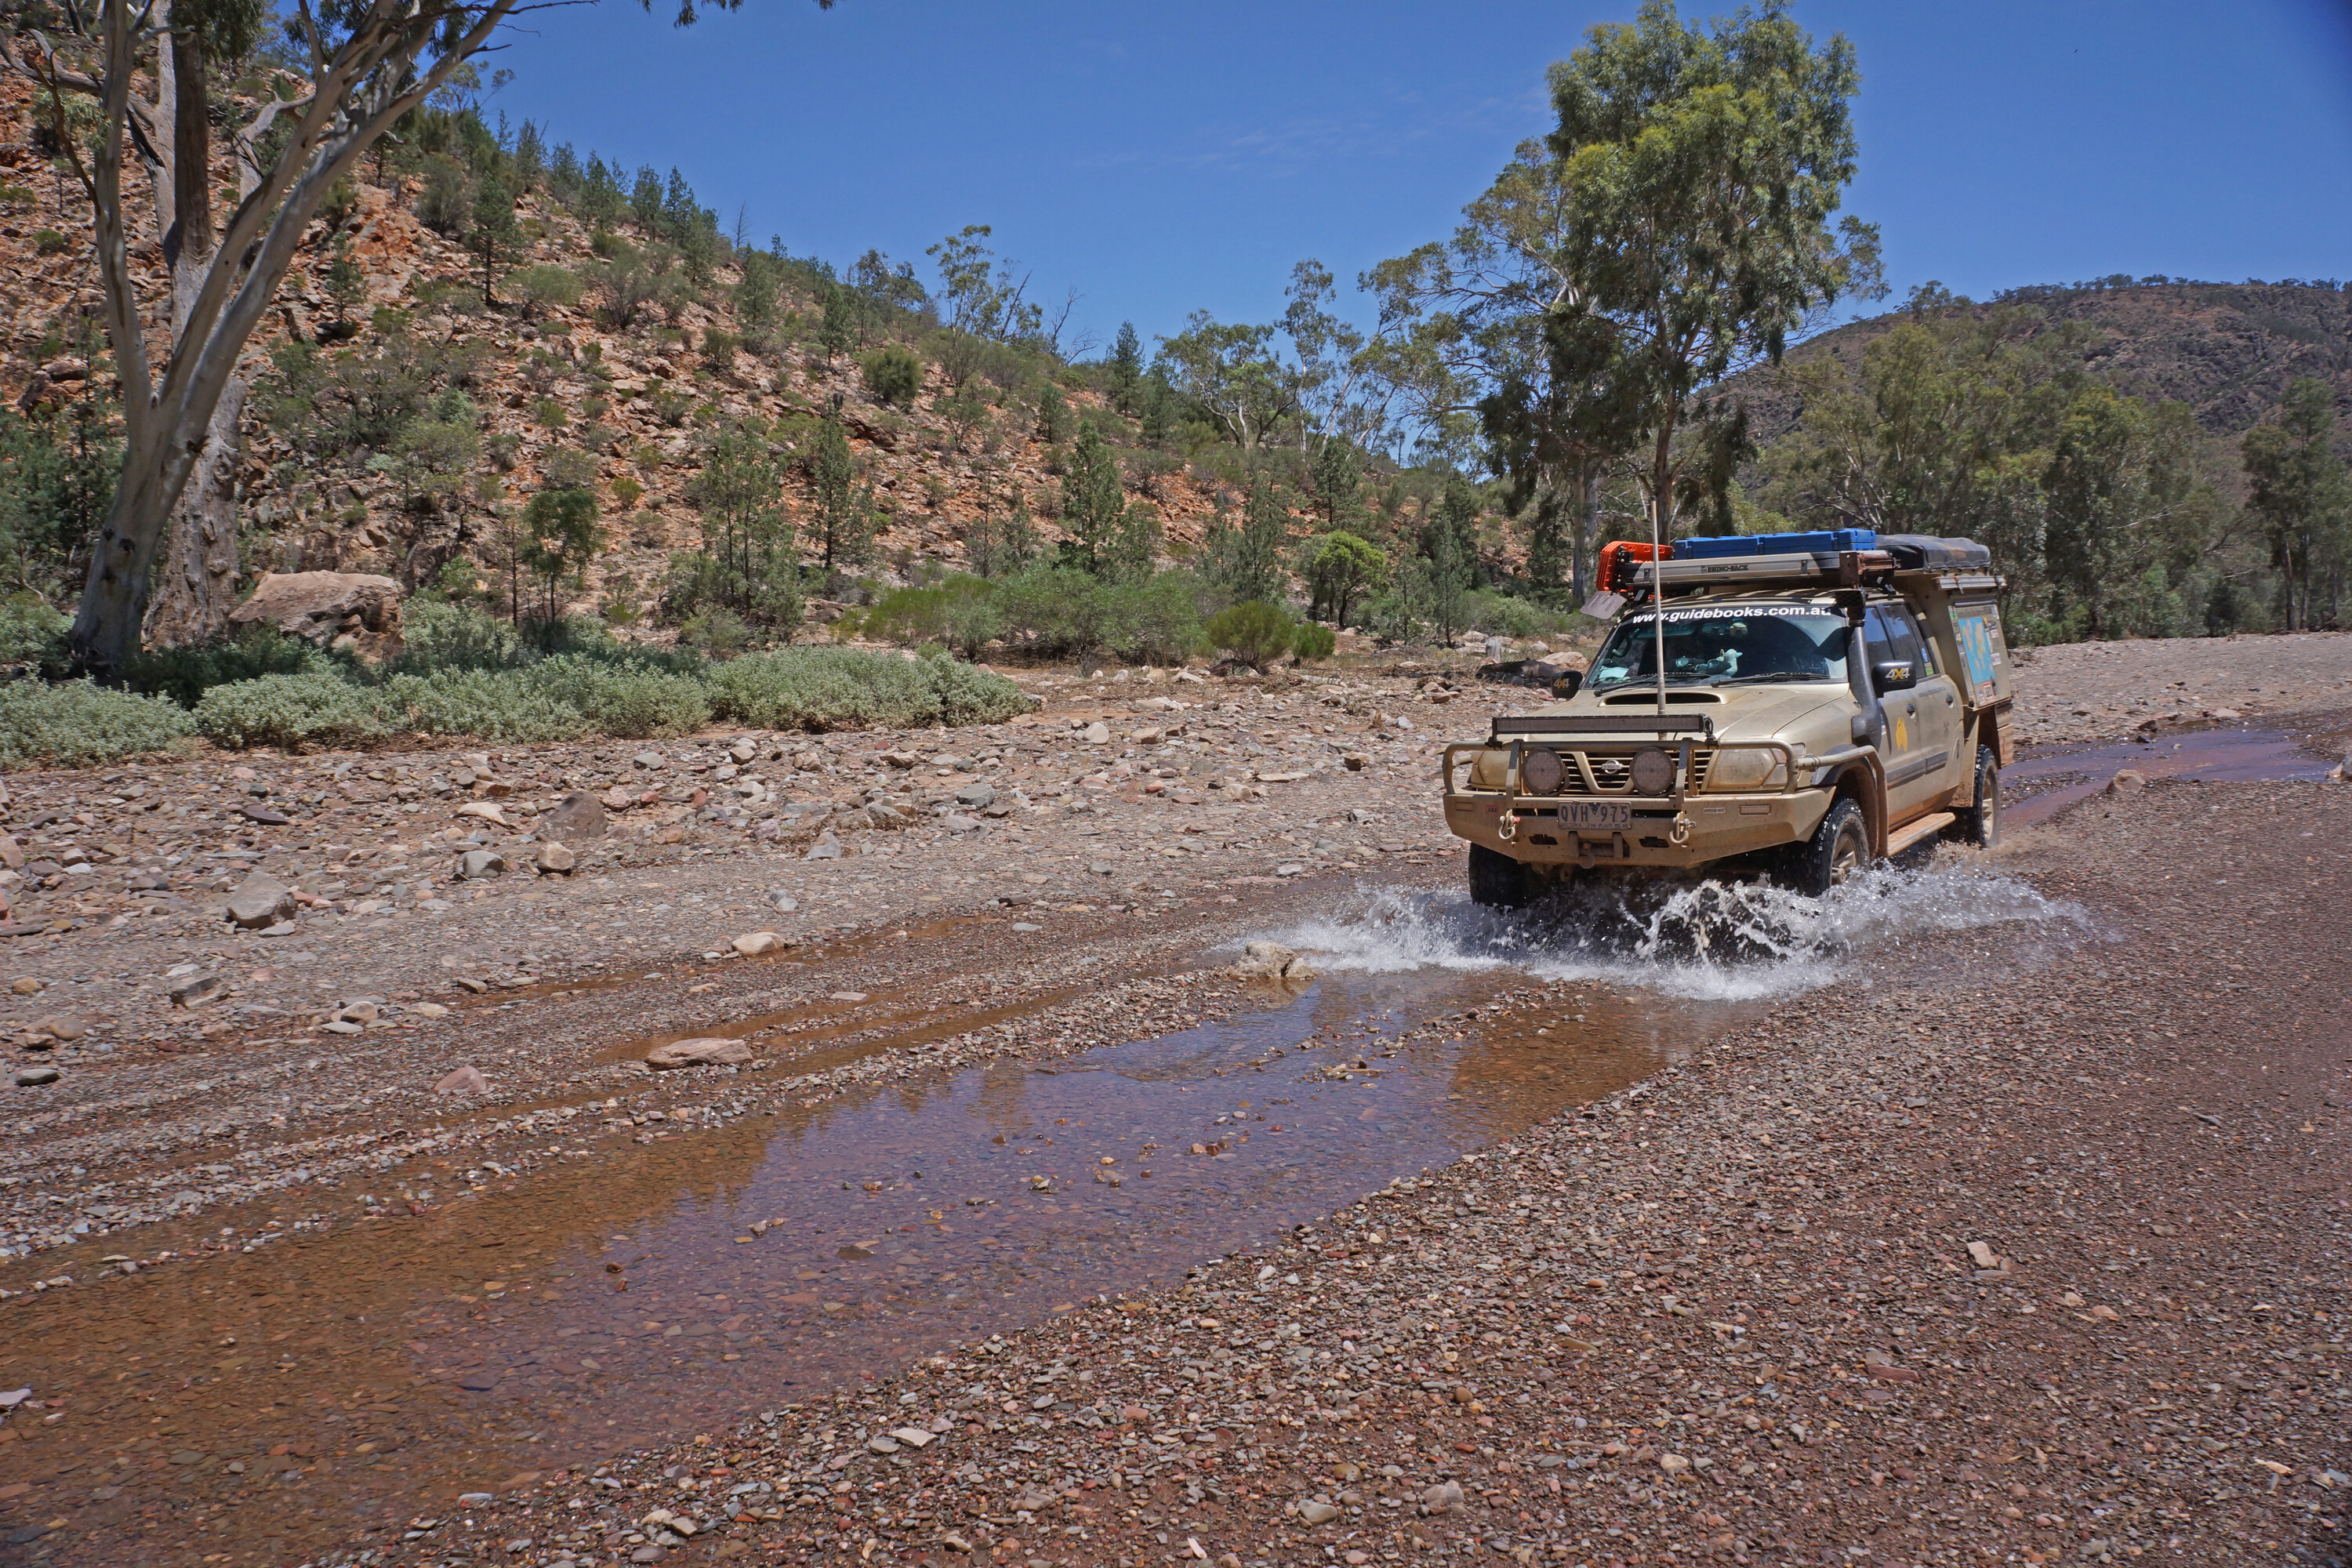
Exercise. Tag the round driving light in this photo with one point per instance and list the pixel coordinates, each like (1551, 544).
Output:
(1654, 771)
(1539, 771)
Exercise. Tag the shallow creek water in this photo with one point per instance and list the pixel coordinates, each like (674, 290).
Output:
(2046, 781)
(658, 1290)
(627, 1299)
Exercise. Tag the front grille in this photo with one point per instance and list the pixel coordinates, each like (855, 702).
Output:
(1601, 771)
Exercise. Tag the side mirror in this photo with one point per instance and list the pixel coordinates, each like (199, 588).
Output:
(1896, 675)
(1570, 683)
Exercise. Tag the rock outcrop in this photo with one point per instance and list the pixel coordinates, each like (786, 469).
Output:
(353, 610)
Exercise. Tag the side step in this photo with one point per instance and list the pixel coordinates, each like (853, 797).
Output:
(1910, 833)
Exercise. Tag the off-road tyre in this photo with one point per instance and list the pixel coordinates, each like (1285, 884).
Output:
(1497, 881)
(1839, 848)
(1980, 824)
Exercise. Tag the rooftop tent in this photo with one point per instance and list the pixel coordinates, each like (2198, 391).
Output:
(1925, 553)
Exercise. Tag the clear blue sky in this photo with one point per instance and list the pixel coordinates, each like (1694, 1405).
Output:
(1163, 158)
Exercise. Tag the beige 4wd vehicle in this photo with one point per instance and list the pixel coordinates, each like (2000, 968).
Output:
(1796, 704)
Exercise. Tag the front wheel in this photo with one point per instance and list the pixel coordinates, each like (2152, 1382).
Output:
(1836, 853)
(1497, 881)
(1980, 824)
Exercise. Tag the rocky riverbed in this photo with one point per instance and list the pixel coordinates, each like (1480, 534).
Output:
(1993, 1215)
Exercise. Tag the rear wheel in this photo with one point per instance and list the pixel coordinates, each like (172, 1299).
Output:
(1980, 824)
(1838, 850)
(1497, 881)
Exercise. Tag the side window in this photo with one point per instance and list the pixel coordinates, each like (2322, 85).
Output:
(1885, 638)
(1920, 646)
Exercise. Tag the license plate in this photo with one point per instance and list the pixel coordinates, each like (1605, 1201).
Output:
(1599, 814)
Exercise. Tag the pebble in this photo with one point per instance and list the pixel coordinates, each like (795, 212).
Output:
(753, 943)
(35, 1076)
(467, 1079)
(476, 864)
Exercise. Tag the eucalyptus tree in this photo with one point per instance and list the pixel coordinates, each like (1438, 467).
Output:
(1488, 344)
(1700, 175)
(141, 63)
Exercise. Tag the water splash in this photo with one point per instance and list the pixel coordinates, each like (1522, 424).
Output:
(1717, 941)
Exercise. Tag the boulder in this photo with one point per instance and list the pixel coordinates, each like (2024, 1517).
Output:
(698, 1053)
(579, 815)
(554, 859)
(1271, 961)
(355, 610)
(977, 796)
(261, 901)
(826, 847)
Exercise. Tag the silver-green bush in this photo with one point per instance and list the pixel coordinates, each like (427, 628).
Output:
(629, 700)
(494, 704)
(76, 724)
(842, 689)
(317, 707)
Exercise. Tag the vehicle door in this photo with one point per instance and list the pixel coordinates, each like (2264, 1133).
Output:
(1923, 721)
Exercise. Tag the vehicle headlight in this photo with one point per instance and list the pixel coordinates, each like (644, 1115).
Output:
(1539, 771)
(1654, 771)
(1747, 767)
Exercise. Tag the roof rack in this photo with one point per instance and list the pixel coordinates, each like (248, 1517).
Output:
(1822, 569)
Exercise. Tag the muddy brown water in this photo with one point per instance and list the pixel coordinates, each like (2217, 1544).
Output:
(268, 1405)
(2046, 781)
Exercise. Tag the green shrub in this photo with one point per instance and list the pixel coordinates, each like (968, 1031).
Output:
(714, 629)
(1510, 617)
(1314, 642)
(454, 637)
(1055, 612)
(1154, 622)
(29, 627)
(961, 612)
(893, 374)
(844, 689)
(544, 288)
(971, 622)
(75, 724)
(316, 707)
(185, 674)
(1254, 632)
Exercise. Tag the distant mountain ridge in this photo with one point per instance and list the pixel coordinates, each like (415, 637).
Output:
(2227, 349)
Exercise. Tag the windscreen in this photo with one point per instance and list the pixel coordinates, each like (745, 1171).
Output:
(1722, 645)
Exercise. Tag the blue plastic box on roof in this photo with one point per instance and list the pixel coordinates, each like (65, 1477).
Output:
(1826, 542)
